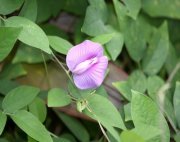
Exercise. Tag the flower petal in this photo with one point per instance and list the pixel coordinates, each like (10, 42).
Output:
(82, 67)
(93, 77)
(83, 51)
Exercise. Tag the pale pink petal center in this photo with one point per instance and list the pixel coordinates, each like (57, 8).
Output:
(93, 77)
(85, 65)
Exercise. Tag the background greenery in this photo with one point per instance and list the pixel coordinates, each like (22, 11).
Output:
(142, 37)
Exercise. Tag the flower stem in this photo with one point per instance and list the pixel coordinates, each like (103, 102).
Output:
(53, 135)
(162, 93)
(173, 73)
(61, 64)
(100, 125)
(103, 131)
(46, 69)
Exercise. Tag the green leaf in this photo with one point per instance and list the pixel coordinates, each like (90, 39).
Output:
(173, 30)
(94, 25)
(1, 100)
(57, 6)
(159, 45)
(103, 39)
(114, 47)
(48, 8)
(136, 33)
(154, 83)
(19, 98)
(172, 59)
(9, 6)
(33, 55)
(137, 80)
(168, 109)
(8, 37)
(3, 140)
(3, 119)
(162, 8)
(44, 10)
(111, 130)
(177, 75)
(74, 126)
(75, 92)
(83, 94)
(60, 45)
(75, 7)
(58, 97)
(147, 132)
(68, 136)
(31, 139)
(12, 71)
(133, 7)
(127, 112)
(121, 12)
(7, 85)
(144, 111)
(38, 109)
(96, 16)
(102, 91)
(60, 140)
(124, 88)
(176, 101)
(130, 136)
(31, 125)
(177, 137)
(29, 10)
(31, 34)
(54, 30)
(78, 35)
(106, 113)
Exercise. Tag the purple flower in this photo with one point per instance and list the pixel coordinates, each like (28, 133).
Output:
(87, 64)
